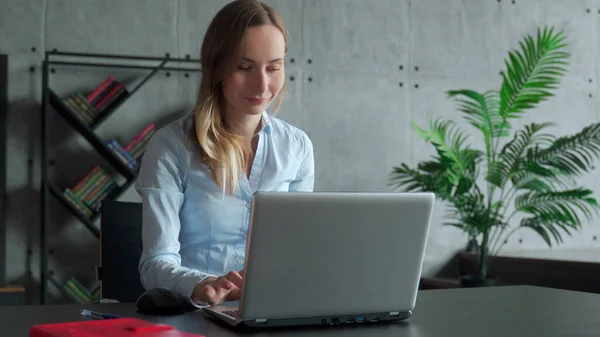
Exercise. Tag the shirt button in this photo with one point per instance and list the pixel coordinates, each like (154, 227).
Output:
(248, 205)
(240, 261)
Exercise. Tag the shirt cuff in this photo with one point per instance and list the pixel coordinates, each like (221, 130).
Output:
(198, 305)
(187, 284)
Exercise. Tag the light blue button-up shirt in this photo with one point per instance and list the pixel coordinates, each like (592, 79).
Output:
(191, 229)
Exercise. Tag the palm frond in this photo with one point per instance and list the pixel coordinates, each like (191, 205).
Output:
(482, 111)
(570, 155)
(527, 180)
(449, 143)
(411, 180)
(546, 227)
(558, 212)
(432, 176)
(471, 210)
(532, 72)
(509, 162)
(558, 206)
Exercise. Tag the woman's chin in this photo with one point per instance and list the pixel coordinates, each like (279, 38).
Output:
(256, 109)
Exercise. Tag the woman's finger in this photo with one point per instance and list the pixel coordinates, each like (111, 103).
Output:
(224, 283)
(210, 293)
(235, 277)
(216, 295)
(235, 294)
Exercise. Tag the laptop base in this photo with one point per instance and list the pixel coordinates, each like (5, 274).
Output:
(221, 312)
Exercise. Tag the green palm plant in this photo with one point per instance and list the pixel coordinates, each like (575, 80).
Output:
(532, 173)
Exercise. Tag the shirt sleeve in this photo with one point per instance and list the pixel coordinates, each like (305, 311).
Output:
(160, 185)
(305, 178)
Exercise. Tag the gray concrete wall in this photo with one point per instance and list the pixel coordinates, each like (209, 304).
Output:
(362, 71)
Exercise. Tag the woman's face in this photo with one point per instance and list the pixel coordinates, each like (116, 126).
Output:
(259, 77)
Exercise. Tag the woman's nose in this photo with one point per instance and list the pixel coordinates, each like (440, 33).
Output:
(262, 82)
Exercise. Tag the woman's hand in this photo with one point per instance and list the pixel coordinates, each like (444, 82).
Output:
(216, 290)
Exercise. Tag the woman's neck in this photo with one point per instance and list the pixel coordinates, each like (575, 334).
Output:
(244, 125)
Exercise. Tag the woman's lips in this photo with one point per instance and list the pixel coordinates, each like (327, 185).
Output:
(256, 100)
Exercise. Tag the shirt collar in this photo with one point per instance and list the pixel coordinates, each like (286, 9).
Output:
(266, 122)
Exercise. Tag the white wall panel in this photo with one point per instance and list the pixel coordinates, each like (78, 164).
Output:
(193, 19)
(363, 37)
(458, 39)
(122, 27)
(21, 26)
(358, 129)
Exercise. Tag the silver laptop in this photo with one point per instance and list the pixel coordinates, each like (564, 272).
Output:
(331, 258)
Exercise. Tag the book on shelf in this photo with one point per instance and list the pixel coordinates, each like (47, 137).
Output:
(89, 109)
(131, 153)
(137, 146)
(87, 194)
(79, 292)
(123, 155)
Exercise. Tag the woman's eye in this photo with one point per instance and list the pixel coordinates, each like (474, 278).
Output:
(274, 69)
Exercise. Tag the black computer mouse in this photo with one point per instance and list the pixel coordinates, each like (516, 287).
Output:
(161, 301)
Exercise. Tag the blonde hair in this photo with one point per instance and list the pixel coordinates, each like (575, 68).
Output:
(225, 153)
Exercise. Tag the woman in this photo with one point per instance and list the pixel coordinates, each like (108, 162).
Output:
(199, 173)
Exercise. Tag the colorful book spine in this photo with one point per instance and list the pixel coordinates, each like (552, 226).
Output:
(98, 191)
(139, 137)
(85, 104)
(104, 92)
(125, 156)
(97, 201)
(115, 101)
(140, 147)
(137, 146)
(100, 89)
(113, 89)
(93, 183)
(77, 112)
(84, 185)
(79, 290)
(94, 188)
(85, 178)
(77, 203)
(87, 194)
(72, 291)
(111, 97)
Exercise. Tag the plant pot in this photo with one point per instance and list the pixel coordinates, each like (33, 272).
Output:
(471, 281)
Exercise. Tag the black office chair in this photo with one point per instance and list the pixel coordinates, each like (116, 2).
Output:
(120, 250)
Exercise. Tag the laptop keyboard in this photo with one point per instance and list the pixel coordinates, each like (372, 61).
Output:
(233, 313)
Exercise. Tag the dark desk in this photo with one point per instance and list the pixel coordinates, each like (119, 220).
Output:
(489, 312)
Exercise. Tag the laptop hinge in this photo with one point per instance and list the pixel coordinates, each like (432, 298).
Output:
(260, 320)
(394, 313)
